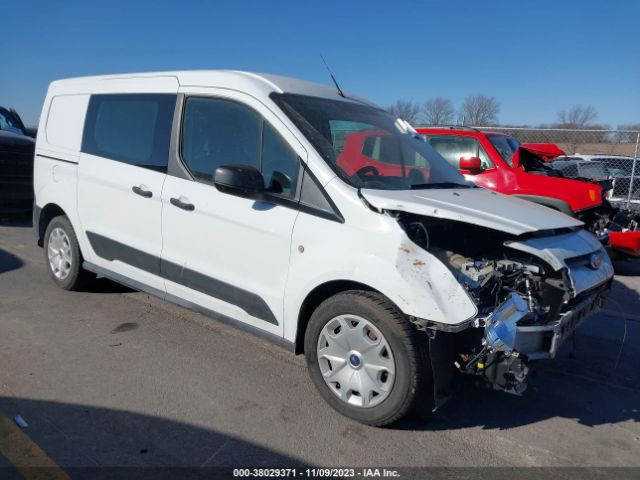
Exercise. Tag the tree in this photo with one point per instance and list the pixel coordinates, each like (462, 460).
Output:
(577, 116)
(630, 133)
(438, 111)
(632, 126)
(480, 110)
(404, 109)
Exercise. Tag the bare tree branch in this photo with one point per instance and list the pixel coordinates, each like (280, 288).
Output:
(438, 111)
(480, 110)
(577, 116)
(405, 109)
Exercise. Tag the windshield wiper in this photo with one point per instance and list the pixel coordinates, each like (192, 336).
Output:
(421, 186)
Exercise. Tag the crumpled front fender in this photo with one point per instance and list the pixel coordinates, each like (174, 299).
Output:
(433, 290)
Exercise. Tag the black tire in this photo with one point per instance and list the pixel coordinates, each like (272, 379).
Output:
(78, 278)
(407, 348)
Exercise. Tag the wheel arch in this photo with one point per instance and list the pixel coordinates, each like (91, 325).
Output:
(318, 295)
(47, 213)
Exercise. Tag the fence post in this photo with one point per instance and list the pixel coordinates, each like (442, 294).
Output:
(633, 171)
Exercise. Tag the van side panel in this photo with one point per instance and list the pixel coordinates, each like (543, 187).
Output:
(57, 154)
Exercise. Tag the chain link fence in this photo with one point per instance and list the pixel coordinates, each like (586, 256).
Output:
(593, 154)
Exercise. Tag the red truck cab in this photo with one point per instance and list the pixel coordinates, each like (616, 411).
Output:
(499, 162)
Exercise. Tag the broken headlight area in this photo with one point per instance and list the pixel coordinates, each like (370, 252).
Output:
(526, 307)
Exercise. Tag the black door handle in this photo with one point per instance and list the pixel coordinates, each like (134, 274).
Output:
(142, 192)
(184, 206)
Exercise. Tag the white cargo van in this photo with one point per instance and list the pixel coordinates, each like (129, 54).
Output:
(314, 219)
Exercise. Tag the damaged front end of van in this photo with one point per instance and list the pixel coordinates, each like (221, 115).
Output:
(528, 284)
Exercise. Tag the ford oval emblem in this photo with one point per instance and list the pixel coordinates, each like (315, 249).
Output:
(354, 360)
(595, 260)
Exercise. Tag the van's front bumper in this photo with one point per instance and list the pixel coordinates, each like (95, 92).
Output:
(514, 340)
(543, 341)
(503, 345)
(508, 366)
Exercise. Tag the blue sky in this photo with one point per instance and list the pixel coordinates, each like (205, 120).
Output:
(535, 57)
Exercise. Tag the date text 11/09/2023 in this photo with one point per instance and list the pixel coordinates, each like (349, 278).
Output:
(316, 472)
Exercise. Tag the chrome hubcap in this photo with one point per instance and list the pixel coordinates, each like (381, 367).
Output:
(356, 361)
(59, 253)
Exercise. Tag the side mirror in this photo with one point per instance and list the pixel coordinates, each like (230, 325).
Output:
(240, 180)
(470, 165)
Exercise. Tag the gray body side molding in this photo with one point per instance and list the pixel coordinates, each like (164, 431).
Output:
(116, 277)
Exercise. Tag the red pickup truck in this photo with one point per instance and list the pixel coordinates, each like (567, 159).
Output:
(499, 162)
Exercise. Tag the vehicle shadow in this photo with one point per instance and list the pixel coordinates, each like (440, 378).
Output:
(595, 383)
(9, 261)
(627, 268)
(104, 285)
(96, 442)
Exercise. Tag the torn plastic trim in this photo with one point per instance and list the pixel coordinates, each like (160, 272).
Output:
(424, 324)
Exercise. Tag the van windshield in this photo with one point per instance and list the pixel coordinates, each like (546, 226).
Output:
(366, 146)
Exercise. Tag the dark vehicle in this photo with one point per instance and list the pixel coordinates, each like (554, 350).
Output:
(16, 163)
(619, 169)
(581, 169)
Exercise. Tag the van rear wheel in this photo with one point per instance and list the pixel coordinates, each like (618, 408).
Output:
(364, 357)
(63, 257)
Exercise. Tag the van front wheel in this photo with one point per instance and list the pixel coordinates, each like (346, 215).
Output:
(364, 357)
(62, 255)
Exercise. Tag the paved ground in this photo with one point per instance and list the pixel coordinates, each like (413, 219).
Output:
(114, 377)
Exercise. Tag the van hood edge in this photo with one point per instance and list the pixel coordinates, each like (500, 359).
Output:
(476, 206)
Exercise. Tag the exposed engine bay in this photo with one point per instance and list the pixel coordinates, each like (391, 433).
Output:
(532, 163)
(526, 306)
(489, 271)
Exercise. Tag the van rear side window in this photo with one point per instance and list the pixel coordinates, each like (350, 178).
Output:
(130, 128)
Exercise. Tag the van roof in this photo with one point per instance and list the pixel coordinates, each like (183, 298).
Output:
(257, 84)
